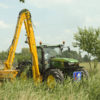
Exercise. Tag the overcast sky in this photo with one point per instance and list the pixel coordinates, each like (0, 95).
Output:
(53, 20)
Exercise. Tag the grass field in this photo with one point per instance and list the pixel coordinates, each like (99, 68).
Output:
(26, 90)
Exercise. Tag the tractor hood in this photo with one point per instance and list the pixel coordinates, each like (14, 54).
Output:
(70, 60)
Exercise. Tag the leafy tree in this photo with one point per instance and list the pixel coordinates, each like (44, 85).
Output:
(3, 55)
(88, 40)
(72, 54)
(24, 55)
(86, 58)
(22, 1)
(25, 51)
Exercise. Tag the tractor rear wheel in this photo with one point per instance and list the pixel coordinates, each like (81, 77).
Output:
(52, 77)
(85, 74)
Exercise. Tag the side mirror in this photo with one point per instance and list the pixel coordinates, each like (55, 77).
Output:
(22, 1)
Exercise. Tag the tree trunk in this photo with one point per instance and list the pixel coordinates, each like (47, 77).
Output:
(90, 65)
(90, 62)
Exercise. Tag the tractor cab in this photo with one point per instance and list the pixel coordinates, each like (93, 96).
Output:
(46, 54)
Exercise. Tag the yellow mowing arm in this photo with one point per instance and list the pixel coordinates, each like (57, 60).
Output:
(24, 16)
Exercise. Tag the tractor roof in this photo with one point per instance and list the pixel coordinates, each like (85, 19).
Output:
(50, 46)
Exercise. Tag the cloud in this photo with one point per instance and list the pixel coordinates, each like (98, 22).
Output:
(3, 25)
(48, 3)
(38, 39)
(35, 25)
(66, 35)
(67, 31)
(92, 21)
(3, 5)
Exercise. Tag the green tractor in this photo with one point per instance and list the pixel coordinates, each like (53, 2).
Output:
(52, 64)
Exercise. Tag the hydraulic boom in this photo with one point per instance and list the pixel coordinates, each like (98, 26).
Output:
(24, 16)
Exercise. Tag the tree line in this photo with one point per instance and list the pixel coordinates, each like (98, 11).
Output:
(26, 55)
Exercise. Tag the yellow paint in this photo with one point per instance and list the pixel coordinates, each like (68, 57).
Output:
(23, 76)
(51, 82)
(24, 16)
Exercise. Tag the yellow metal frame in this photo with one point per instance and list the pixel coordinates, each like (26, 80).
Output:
(8, 74)
(24, 16)
(51, 81)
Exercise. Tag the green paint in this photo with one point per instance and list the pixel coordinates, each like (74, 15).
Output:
(65, 60)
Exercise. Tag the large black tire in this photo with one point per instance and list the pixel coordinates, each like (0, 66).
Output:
(25, 66)
(56, 73)
(85, 73)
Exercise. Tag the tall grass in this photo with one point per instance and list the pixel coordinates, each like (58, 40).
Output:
(69, 90)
